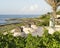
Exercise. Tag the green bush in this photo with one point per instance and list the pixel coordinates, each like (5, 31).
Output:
(45, 41)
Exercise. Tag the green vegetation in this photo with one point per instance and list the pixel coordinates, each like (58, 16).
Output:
(58, 12)
(44, 20)
(9, 27)
(45, 41)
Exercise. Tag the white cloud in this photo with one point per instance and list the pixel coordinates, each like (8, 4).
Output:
(34, 9)
(31, 8)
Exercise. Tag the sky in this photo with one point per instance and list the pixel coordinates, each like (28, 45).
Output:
(24, 7)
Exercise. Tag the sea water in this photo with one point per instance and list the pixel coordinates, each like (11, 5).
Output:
(4, 17)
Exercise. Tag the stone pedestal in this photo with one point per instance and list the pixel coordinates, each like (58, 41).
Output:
(51, 26)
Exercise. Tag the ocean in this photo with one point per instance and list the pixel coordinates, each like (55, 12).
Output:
(4, 17)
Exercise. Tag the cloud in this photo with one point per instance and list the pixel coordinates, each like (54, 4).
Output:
(35, 9)
(31, 8)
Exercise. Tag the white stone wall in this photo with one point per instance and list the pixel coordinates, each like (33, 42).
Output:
(51, 30)
(58, 16)
(26, 30)
(16, 34)
(34, 26)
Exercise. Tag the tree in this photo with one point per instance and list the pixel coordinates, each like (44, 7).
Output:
(54, 4)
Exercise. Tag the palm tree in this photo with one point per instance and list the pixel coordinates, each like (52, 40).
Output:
(54, 4)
